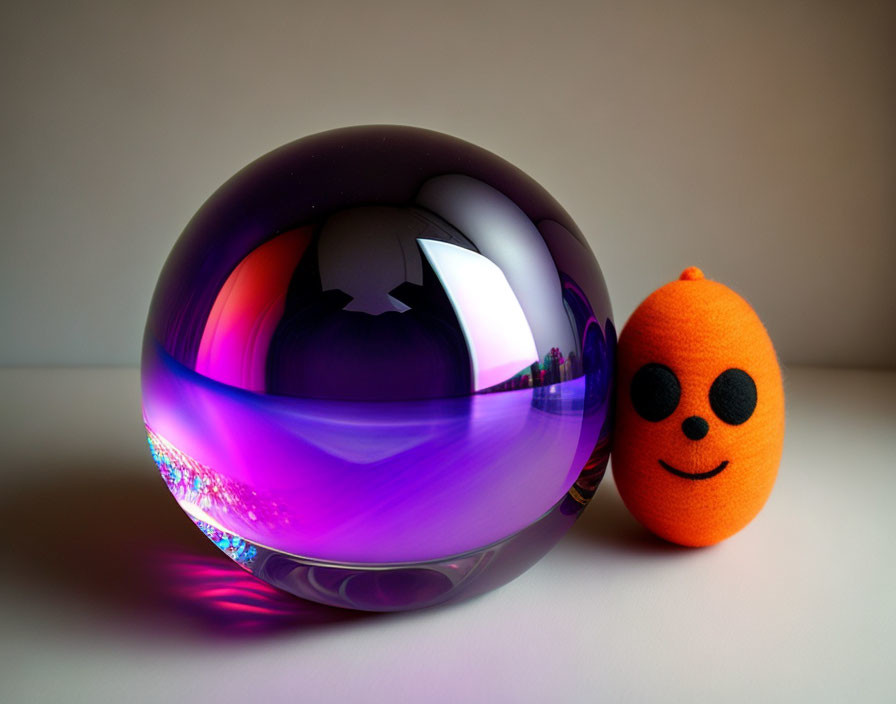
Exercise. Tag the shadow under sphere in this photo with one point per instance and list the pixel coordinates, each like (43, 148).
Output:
(118, 546)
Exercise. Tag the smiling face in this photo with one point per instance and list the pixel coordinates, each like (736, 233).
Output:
(700, 412)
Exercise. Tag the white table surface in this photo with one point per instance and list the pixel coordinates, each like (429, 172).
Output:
(108, 592)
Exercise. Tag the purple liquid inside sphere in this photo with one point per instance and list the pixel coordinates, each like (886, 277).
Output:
(378, 367)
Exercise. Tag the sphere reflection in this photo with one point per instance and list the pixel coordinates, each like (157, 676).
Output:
(377, 369)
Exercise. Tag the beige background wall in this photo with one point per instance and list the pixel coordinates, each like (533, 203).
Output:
(754, 139)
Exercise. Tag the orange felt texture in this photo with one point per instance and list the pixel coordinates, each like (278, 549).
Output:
(697, 328)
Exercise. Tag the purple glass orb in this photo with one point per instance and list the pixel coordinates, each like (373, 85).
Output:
(377, 370)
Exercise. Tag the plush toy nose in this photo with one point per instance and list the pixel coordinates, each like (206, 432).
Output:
(695, 428)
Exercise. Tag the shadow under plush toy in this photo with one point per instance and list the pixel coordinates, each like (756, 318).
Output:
(700, 412)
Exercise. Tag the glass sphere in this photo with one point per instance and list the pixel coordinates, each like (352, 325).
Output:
(377, 369)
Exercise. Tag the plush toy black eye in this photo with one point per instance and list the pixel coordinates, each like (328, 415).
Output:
(655, 392)
(732, 396)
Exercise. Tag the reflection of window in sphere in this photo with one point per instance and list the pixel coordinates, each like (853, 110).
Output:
(377, 369)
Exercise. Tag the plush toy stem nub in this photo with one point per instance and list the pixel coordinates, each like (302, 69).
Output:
(692, 273)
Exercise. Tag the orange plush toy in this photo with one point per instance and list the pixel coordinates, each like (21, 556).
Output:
(700, 412)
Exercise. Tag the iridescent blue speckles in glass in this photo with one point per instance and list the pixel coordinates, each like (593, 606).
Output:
(380, 360)
(233, 546)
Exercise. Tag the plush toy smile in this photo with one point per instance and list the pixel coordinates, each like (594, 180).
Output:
(693, 475)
